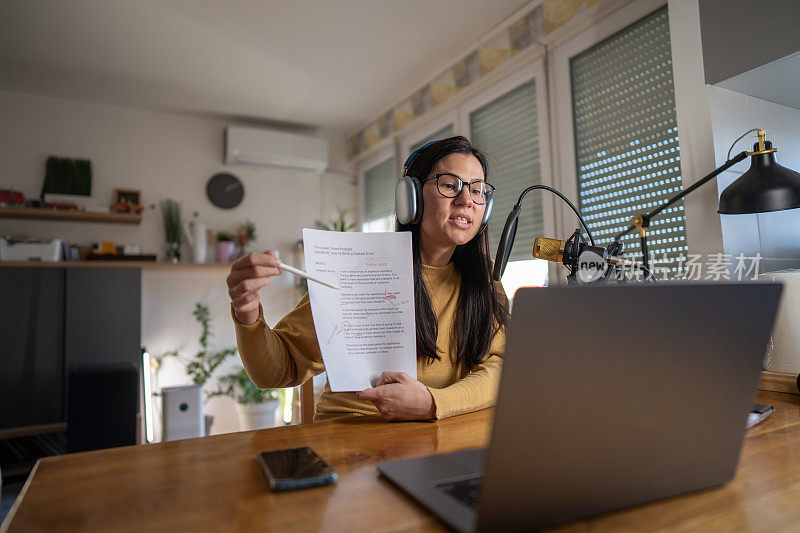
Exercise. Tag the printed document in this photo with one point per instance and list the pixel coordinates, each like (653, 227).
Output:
(367, 326)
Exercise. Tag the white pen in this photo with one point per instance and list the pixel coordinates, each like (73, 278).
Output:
(298, 272)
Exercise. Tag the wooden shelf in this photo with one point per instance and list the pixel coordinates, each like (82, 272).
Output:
(143, 265)
(59, 427)
(36, 213)
(152, 265)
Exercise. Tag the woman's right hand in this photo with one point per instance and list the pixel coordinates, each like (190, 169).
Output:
(249, 274)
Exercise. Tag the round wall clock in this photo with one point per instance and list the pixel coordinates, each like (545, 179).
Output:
(225, 190)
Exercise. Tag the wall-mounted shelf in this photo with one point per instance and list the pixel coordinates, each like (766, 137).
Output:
(143, 265)
(37, 213)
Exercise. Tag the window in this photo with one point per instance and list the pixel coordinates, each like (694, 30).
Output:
(379, 178)
(613, 117)
(443, 133)
(505, 123)
(441, 127)
(379, 183)
(506, 130)
(626, 137)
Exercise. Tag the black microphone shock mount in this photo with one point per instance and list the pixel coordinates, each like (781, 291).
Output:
(573, 248)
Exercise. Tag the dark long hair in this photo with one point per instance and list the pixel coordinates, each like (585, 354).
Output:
(480, 313)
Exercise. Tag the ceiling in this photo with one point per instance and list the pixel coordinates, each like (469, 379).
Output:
(328, 64)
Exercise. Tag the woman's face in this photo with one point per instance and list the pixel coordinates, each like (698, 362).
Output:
(449, 222)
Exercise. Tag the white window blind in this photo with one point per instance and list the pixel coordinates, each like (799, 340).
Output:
(506, 129)
(379, 183)
(626, 137)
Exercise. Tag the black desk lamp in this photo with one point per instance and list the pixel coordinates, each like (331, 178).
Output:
(767, 186)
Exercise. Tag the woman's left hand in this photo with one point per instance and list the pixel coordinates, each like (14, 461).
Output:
(398, 396)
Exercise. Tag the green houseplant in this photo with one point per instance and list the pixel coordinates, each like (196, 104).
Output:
(246, 233)
(205, 362)
(255, 407)
(340, 223)
(171, 212)
(201, 367)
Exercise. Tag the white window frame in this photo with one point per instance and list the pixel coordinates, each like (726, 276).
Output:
(365, 165)
(703, 231)
(560, 54)
(531, 71)
(458, 117)
(446, 119)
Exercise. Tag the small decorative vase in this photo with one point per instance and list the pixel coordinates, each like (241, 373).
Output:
(197, 235)
(173, 252)
(225, 251)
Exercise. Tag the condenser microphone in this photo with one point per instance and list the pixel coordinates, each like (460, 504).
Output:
(565, 252)
(570, 254)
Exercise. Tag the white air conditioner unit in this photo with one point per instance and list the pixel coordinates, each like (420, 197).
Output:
(252, 146)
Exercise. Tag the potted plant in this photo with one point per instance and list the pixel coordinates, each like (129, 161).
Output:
(339, 223)
(201, 367)
(246, 235)
(225, 246)
(255, 407)
(171, 212)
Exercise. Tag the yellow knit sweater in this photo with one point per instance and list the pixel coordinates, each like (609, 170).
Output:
(288, 355)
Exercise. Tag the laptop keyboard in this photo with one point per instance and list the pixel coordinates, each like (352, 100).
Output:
(464, 490)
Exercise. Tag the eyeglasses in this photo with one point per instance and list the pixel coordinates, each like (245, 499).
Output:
(450, 186)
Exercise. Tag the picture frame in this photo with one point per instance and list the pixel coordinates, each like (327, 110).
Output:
(127, 197)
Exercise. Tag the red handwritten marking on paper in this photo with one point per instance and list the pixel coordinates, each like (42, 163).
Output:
(344, 327)
(391, 298)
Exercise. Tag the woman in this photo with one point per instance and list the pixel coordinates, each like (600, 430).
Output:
(460, 312)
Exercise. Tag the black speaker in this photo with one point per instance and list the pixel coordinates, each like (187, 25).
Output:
(101, 406)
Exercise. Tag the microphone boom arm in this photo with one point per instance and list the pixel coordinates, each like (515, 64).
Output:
(510, 229)
(642, 222)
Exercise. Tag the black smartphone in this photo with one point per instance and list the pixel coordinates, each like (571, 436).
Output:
(295, 468)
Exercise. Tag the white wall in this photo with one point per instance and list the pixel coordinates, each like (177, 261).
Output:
(165, 155)
(776, 236)
(703, 232)
(706, 111)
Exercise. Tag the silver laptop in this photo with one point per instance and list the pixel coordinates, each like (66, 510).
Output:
(611, 396)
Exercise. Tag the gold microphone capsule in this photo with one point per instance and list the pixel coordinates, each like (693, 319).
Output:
(548, 249)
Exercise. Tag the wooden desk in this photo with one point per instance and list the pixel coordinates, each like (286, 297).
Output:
(214, 484)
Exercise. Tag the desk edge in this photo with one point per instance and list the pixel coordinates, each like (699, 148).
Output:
(13, 511)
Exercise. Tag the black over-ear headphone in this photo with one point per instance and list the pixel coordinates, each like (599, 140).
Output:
(408, 196)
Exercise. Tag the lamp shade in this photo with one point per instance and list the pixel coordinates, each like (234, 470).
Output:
(767, 186)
